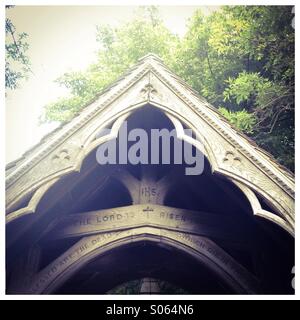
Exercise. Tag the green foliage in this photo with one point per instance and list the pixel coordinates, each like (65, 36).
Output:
(17, 65)
(119, 49)
(240, 58)
(65, 108)
(245, 86)
(242, 120)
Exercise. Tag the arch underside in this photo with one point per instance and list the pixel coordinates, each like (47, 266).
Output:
(228, 270)
(278, 216)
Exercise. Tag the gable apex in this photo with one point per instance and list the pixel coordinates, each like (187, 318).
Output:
(150, 81)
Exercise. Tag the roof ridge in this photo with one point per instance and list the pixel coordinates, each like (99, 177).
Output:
(150, 55)
(48, 135)
(265, 153)
(157, 61)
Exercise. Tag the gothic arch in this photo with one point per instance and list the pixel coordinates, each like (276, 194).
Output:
(258, 211)
(32, 180)
(201, 143)
(61, 269)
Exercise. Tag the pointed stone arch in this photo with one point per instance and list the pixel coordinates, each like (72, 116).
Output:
(61, 269)
(201, 143)
(230, 154)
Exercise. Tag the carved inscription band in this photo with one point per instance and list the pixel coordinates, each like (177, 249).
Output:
(90, 247)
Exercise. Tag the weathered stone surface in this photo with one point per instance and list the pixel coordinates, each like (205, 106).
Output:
(229, 153)
(86, 249)
(182, 220)
(151, 82)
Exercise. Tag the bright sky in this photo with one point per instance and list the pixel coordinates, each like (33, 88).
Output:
(61, 39)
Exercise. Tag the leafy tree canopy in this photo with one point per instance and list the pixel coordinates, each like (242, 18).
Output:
(240, 58)
(119, 49)
(17, 64)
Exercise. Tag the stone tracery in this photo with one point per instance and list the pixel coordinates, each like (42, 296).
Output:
(149, 85)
